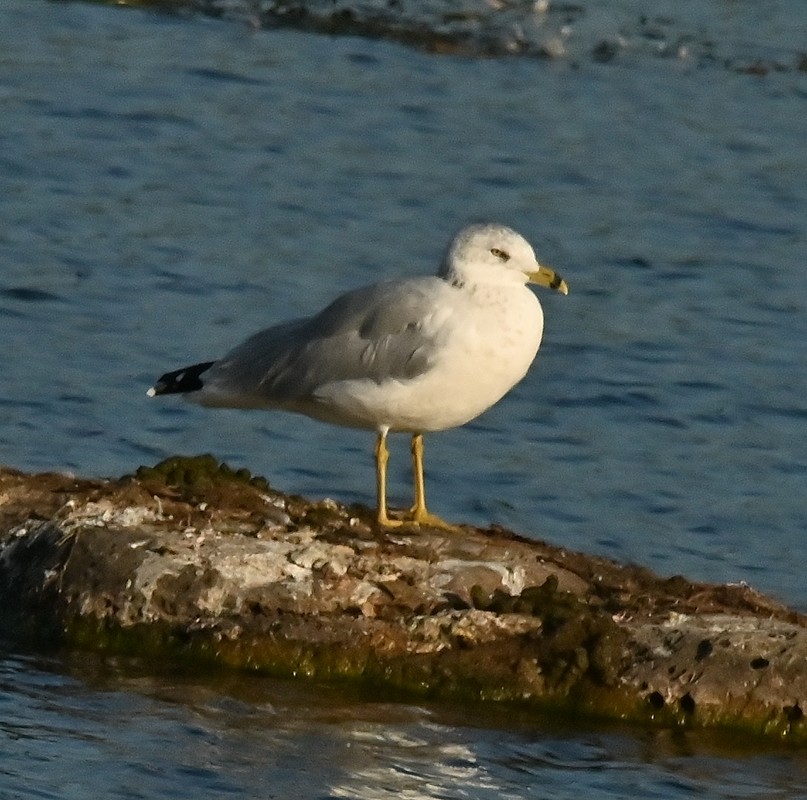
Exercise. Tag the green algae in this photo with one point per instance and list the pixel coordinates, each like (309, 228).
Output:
(460, 677)
(577, 640)
(198, 473)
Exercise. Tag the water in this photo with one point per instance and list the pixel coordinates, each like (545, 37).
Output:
(171, 184)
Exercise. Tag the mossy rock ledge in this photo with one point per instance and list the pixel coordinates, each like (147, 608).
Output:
(192, 562)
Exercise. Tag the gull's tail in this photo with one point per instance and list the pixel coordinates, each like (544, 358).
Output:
(180, 381)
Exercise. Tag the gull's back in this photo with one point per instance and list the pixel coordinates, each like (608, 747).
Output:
(388, 331)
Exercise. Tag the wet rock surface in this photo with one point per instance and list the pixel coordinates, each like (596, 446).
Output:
(190, 560)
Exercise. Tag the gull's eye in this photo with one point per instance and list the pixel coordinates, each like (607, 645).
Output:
(500, 254)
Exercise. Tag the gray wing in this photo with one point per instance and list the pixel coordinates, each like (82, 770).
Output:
(381, 332)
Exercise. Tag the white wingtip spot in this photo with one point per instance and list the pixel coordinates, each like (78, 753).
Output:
(151, 392)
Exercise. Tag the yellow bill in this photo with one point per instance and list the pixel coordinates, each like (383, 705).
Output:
(544, 276)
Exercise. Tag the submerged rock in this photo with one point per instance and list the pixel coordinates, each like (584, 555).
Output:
(192, 561)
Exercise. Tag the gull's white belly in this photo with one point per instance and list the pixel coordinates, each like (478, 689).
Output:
(488, 351)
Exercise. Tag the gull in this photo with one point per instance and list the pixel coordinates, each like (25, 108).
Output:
(413, 355)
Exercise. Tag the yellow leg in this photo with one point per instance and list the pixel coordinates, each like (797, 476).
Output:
(381, 459)
(420, 513)
(419, 509)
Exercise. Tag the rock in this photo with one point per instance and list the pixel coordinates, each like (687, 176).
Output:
(191, 560)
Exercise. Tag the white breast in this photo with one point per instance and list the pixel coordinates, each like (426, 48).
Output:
(487, 346)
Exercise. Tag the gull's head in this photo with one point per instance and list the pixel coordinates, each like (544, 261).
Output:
(495, 254)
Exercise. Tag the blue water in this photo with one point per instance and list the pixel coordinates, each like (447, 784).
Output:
(171, 184)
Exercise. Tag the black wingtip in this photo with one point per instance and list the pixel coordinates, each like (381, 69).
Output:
(187, 379)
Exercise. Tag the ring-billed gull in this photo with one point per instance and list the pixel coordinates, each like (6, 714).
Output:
(415, 355)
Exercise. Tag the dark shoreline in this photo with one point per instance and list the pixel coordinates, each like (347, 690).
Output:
(557, 31)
